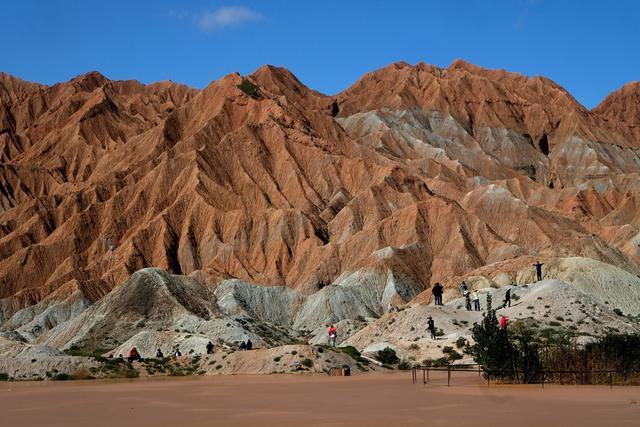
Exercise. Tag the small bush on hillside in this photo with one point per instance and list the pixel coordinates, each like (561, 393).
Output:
(351, 351)
(404, 365)
(414, 346)
(461, 342)
(4, 376)
(249, 89)
(307, 363)
(387, 356)
(61, 377)
(618, 312)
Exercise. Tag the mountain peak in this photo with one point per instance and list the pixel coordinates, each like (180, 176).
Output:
(622, 104)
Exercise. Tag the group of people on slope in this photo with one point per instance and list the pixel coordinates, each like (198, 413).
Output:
(134, 354)
(472, 298)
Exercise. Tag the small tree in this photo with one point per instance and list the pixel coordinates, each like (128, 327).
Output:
(492, 348)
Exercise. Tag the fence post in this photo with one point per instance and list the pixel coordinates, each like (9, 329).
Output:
(428, 372)
(448, 375)
(611, 379)
(424, 380)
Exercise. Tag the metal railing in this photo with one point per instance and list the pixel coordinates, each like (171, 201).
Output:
(545, 376)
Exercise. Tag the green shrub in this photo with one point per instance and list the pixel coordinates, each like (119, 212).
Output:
(61, 377)
(404, 365)
(350, 350)
(4, 376)
(276, 359)
(618, 312)
(308, 363)
(387, 356)
(249, 89)
(461, 342)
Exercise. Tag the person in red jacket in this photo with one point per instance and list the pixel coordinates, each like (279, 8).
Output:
(333, 335)
(503, 322)
(133, 354)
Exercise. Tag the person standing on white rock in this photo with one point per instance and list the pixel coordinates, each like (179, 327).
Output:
(432, 327)
(476, 300)
(538, 267)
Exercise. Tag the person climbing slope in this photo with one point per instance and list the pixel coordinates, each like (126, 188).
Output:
(507, 298)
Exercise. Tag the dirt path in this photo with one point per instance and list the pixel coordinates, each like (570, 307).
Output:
(288, 400)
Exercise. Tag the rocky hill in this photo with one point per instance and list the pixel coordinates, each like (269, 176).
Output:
(257, 207)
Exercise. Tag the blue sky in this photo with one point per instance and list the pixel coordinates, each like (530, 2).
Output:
(589, 47)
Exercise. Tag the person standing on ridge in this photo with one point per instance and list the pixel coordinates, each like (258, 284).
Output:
(538, 267)
(249, 344)
(159, 354)
(209, 347)
(437, 293)
(507, 298)
(464, 289)
(432, 327)
(476, 300)
(243, 345)
(333, 335)
(467, 301)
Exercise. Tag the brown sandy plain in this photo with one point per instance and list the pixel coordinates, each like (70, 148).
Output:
(296, 400)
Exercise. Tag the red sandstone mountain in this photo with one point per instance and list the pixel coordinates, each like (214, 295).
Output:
(622, 105)
(415, 172)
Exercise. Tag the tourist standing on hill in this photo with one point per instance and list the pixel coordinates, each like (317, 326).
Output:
(249, 344)
(159, 354)
(503, 323)
(432, 327)
(437, 293)
(333, 335)
(476, 300)
(467, 301)
(507, 298)
(209, 347)
(243, 345)
(538, 267)
(464, 289)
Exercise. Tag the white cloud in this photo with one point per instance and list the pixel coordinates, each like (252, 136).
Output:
(226, 17)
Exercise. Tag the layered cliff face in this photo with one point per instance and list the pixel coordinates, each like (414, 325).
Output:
(415, 174)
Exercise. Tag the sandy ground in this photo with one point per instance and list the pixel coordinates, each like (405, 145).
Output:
(313, 400)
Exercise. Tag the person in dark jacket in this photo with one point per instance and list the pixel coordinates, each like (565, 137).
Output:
(159, 354)
(209, 347)
(432, 327)
(243, 345)
(437, 293)
(538, 267)
(507, 298)
(249, 344)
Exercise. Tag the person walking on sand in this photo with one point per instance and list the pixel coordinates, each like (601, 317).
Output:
(538, 267)
(476, 300)
(209, 347)
(507, 298)
(467, 301)
(432, 327)
(333, 335)
(437, 293)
